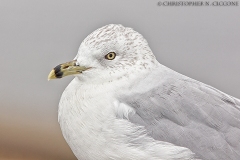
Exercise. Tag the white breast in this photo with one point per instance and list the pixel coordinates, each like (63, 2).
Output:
(92, 124)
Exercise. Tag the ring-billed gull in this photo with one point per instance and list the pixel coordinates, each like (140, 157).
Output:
(124, 105)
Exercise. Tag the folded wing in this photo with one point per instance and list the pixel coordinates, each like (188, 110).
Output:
(188, 113)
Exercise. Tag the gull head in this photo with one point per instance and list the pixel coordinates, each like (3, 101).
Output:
(110, 52)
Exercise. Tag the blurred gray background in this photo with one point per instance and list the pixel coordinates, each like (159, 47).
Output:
(35, 36)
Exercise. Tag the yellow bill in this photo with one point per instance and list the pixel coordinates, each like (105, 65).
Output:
(66, 69)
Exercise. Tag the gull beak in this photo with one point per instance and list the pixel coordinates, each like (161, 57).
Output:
(66, 69)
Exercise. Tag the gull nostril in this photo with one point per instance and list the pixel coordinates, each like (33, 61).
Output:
(65, 67)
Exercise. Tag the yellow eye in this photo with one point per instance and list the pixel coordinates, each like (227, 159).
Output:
(110, 56)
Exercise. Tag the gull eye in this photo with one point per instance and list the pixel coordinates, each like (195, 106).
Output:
(110, 56)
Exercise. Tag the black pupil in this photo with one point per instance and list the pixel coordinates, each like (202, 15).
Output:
(110, 55)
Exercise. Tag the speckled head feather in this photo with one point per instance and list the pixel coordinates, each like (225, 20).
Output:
(132, 50)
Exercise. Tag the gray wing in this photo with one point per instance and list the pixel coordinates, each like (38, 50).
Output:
(188, 113)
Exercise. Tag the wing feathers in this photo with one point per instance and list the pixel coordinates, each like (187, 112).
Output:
(185, 112)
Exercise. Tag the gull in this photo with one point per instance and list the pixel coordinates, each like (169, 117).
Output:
(124, 105)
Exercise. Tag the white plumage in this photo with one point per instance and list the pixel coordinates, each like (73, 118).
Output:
(133, 108)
